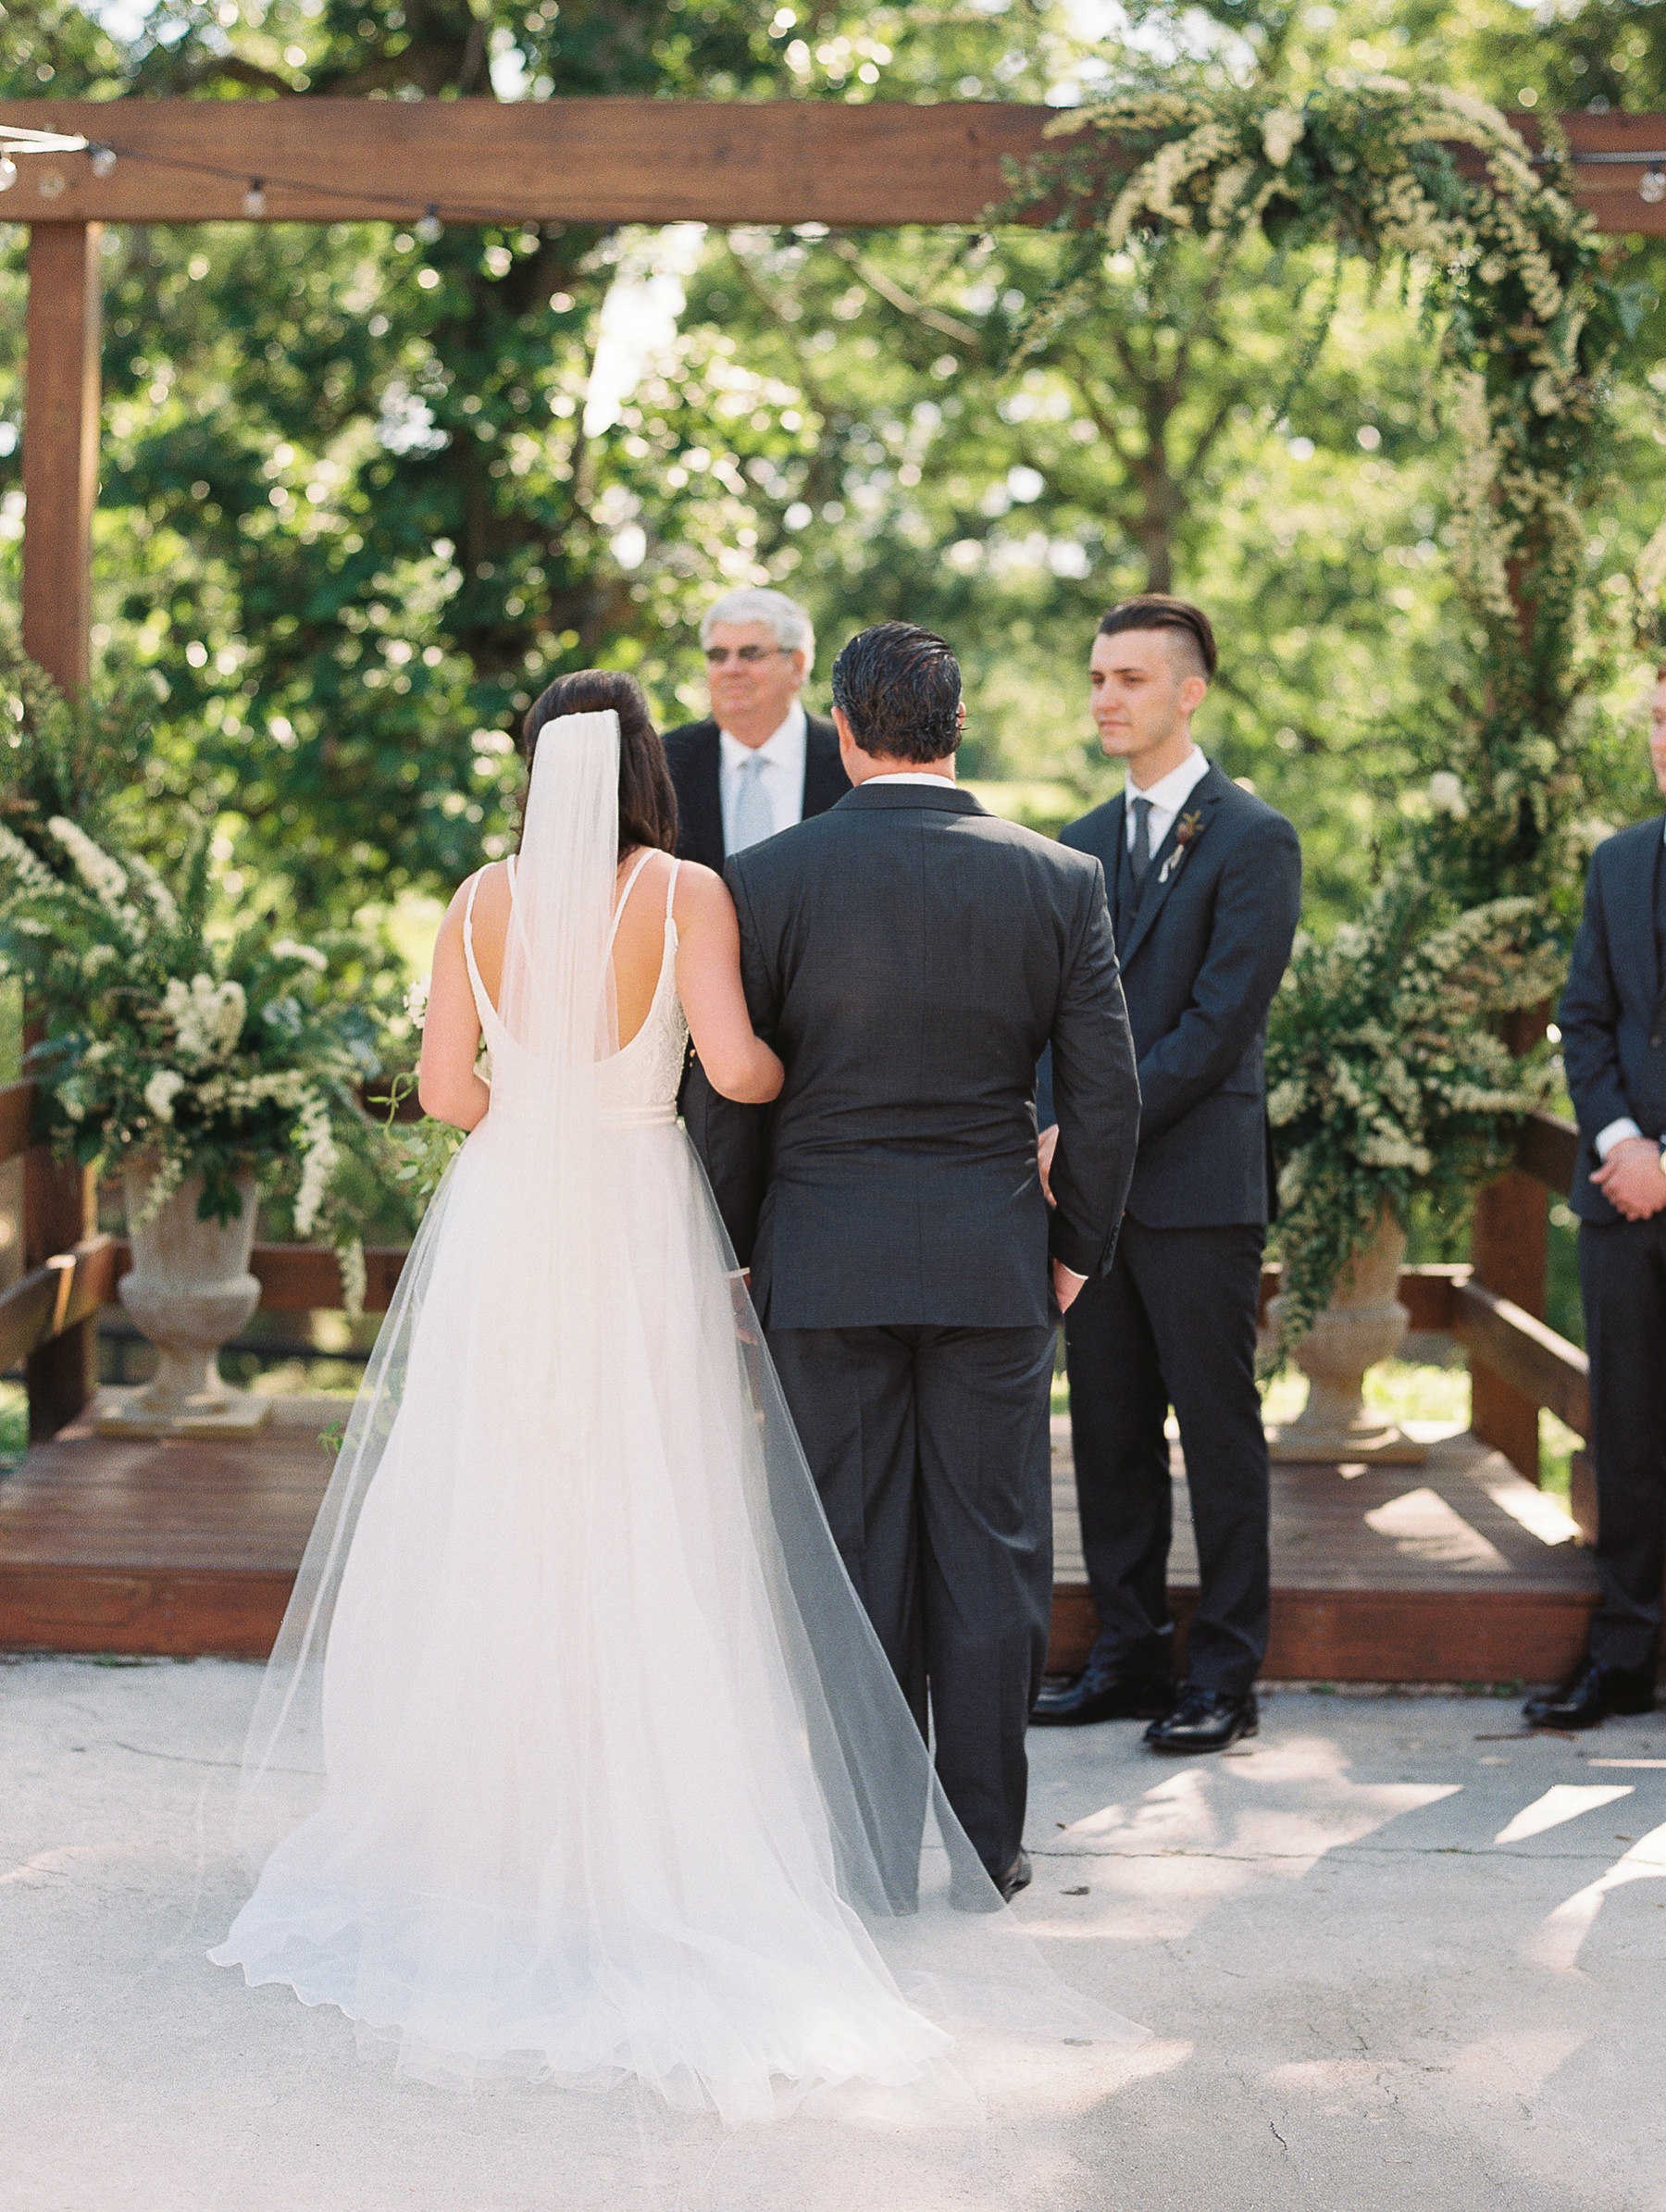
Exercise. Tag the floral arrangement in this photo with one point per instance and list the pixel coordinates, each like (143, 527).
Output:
(1386, 1073)
(170, 1041)
(1523, 326)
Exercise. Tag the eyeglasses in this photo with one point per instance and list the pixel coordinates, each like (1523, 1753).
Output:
(749, 656)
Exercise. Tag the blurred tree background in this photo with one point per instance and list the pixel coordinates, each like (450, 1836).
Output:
(366, 490)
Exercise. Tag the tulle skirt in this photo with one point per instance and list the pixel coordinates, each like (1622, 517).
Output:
(577, 1757)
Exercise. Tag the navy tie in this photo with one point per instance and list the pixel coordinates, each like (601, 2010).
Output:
(1139, 853)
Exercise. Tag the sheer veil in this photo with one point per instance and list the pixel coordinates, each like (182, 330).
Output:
(557, 1022)
(609, 1595)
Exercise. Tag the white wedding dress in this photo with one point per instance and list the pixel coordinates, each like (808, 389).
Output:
(577, 1756)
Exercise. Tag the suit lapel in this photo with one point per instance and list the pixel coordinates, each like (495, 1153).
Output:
(705, 794)
(1204, 798)
(825, 779)
(1632, 915)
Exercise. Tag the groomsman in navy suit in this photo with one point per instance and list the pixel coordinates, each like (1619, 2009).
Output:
(1205, 888)
(1613, 1025)
(758, 763)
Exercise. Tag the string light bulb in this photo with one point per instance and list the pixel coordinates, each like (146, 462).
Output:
(253, 199)
(101, 160)
(428, 229)
(1652, 185)
(8, 172)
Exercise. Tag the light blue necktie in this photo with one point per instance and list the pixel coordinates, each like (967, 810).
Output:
(754, 817)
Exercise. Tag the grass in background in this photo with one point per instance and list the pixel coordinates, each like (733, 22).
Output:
(14, 1424)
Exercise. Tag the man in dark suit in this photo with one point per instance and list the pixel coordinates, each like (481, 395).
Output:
(758, 763)
(1613, 1026)
(909, 956)
(1206, 889)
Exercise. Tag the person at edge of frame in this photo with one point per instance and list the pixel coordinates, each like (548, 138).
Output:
(1613, 1030)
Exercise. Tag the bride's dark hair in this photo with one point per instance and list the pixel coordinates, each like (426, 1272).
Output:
(647, 801)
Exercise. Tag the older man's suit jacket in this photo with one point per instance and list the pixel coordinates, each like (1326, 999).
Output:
(1201, 947)
(1614, 1011)
(694, 753)
(909, 956)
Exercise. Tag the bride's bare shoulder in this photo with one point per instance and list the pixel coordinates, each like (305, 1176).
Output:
(491, 889)
(701, 894)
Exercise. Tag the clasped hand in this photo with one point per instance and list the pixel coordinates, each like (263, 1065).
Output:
(1631, 1180)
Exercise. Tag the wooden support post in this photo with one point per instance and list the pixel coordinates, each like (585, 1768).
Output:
(1510, 1247)
(61, 486)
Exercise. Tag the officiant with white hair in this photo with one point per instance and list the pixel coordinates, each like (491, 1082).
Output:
(757, 764)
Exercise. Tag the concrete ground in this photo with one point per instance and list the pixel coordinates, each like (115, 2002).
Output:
(1395, 1956)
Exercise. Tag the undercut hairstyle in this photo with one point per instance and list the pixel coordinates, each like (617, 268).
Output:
(1188, 628)
(899, 687)
(786, 621)
(647, 800)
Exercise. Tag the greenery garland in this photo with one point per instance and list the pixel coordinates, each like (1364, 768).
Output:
(1387, 1073)
(1526, 324)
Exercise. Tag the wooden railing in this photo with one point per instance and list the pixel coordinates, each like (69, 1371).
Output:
(1525, 1364)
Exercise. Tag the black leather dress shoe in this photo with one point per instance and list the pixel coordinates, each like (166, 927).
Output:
(1204, 1720)
(1591, 1695)
(1104, 1697)
(1017, 1877)
(1001, 1889)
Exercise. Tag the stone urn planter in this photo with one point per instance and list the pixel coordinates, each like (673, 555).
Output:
(189, 1291)
(1363, 1323)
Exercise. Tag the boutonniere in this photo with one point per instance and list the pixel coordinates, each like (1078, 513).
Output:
(1189, 830)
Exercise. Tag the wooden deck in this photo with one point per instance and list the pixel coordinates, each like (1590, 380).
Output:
(125, 1545)
(1456, 1571)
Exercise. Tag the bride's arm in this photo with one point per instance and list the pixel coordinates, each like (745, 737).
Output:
(447, 1086)
(738, 1064)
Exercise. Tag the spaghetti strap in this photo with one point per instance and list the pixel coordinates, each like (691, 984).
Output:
(482, 999)
(473, 885)
(630, 884)
(671, 889)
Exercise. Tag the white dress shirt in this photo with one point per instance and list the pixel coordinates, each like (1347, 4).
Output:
(782, 754)
(1616, 1132)
(1167, 796)
(910, 775)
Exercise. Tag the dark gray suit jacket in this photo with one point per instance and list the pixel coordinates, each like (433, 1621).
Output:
(909, 956)
(1200, 967)
(1614, 1012)
(695, 755)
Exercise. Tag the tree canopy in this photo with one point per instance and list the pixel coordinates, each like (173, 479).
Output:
(356, 510)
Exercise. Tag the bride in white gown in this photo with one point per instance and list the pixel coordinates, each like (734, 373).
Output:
(577, 1756)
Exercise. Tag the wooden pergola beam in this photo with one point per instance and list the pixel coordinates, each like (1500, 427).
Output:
(604, 161)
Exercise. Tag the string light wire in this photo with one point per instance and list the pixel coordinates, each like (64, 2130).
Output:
(103, 157)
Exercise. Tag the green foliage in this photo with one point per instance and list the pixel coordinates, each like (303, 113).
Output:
(1386, 1074)
(1526, 326)
(196, 1044)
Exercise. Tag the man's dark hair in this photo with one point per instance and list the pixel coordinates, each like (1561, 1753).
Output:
(1156, 610)
(900, 689)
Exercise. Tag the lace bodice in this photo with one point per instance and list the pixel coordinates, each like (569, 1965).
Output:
(639, 1084)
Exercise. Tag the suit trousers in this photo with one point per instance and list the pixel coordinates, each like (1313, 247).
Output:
(930, 1450)
(1173, 1323)
(1622, 1285)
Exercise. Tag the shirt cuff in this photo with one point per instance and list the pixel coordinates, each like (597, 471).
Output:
(1616, 1132)
(1069, 1271)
